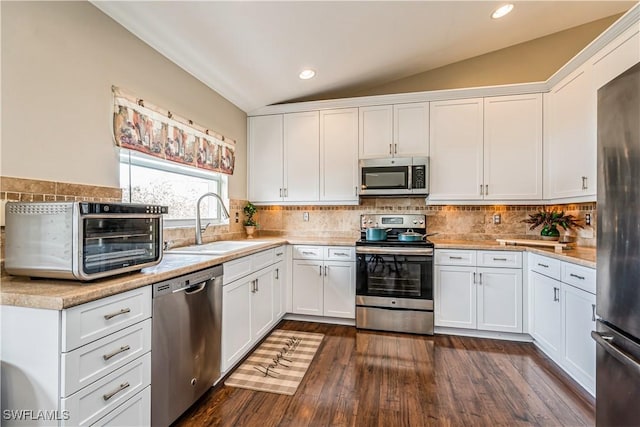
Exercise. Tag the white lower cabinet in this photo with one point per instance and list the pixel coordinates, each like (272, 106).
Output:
(85, 365)
(252, 296)
(324, 281)
(472, 292)
(563, 315)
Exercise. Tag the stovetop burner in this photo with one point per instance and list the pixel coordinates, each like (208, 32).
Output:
(395, 224)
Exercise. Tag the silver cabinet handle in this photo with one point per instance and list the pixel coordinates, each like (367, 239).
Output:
(499, 259)
(118, 351)
(543, 265)
(576, 276)
(621, 356)
(277, 273)
(116, 391)
(286, 192)
(257, 287)
(325, 270)
(555, 294)
(481, 190)
(390, 149)
(455, 257)
(480, 279)
(474, 277)
(281, 192)
(308, 253)
(117, 313)
(355, 190)
(395, 148)
(340, 254)
(486, 190)
(253, 287)
(584, 183)
(593, 312)
(320, 268)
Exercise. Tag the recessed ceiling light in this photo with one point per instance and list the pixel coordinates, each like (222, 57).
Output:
(307, 74)
(502, 11)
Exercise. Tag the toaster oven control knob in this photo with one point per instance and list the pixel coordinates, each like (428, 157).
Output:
(421, 222)
(106, 208)
(415, 222)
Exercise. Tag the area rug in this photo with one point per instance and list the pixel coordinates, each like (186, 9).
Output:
(278, 364)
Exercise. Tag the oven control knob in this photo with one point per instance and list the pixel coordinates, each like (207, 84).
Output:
(393, 301)
(370, 222)
(415, 222)
(421, 222)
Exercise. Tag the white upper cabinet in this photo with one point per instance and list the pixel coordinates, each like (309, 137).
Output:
(616, 57)
(376, 131)
(513, 147)
(570, 140)
(455, 139)
(411, 129)
(302, 156)
(400, 130)
(265, 158)
(339, 155)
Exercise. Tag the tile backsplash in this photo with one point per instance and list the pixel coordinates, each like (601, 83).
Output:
(450, 222)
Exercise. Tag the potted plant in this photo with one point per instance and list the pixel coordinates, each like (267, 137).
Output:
(550, 220)
(249, 223)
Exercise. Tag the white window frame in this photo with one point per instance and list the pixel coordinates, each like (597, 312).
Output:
(134, 158)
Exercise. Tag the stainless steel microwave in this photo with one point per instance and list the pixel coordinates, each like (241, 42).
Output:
(81, 240)
(394, 177)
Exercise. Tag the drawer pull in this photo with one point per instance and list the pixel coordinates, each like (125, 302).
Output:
(593, 312)
(499, 259)
(118, 351)
(279, 253)
(308, 253)
(116, 391)
(555, 294)
(277, 273)
(455, 257)
(576, 276)
(340, 254)
(117, 313)
(543, 265)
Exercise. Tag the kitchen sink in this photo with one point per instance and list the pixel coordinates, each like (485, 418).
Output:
(216, 248)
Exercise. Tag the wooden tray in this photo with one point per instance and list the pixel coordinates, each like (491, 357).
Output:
(557, 246)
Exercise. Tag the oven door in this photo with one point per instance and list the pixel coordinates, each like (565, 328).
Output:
(119, 242)
(405, 273)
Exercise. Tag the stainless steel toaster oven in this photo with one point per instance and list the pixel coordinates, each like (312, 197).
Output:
(81, 240)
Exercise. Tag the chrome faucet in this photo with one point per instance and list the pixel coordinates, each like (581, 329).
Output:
(199, 228)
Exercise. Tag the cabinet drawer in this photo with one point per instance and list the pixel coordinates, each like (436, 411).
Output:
(455, 257)
(98, 399)
(262, 259)
(134, 412)
(93, 361)
(340, 253)
(510, 259)
(307, 252)
(91, 321)
(548, 266)
(233, 270)
(579, 276)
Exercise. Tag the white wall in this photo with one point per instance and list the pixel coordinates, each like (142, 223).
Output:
(59, 61)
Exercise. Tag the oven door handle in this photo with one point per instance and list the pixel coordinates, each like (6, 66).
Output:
(393, 251)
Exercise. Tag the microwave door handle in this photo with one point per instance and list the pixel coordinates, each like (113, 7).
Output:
(410, 177)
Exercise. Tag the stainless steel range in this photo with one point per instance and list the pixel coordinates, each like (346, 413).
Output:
(394, 279)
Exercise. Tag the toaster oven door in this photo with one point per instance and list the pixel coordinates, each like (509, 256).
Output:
(119, 242)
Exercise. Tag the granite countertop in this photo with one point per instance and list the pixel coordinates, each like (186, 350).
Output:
(584, 256)
(60, 294)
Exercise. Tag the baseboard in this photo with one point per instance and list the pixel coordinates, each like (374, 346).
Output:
(320, 319)
(507, 336)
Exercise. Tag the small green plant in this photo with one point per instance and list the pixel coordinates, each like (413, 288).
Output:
(550, 220)
(250, 210)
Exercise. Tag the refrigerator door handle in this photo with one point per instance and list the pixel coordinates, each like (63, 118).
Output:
(622, 357)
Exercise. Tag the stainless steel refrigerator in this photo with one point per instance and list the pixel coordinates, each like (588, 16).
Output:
(618, 256)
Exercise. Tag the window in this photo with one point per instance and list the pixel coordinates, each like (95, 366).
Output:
(145, 179)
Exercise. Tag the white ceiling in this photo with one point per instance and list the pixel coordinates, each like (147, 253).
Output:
(252, 51)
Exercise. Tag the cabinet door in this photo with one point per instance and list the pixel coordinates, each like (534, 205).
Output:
(570, 142)
(456, 150)
(262, 304)
(302, 157)
(546, 326)
(236, 325)
(411, 129)
(578, 315)
(279, 297)
(339, 155)
(340, 289)
(265, 158)
(500, 299)
(376, 131)
(308, 287)
(513, 147)
(455, 296)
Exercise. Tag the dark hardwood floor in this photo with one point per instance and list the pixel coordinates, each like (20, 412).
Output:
(366, 378)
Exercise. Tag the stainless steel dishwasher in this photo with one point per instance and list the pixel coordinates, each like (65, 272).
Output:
(185, 343)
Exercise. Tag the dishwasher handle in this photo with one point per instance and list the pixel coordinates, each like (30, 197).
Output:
(193, 289)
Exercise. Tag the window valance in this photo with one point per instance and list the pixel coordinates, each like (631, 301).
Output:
(141, 126)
